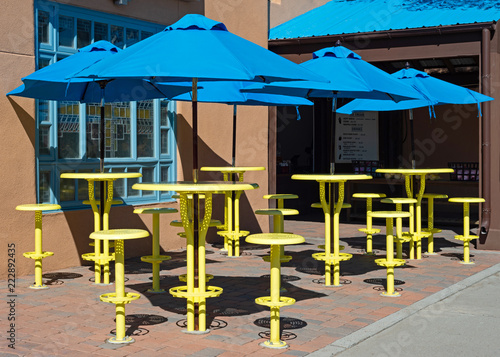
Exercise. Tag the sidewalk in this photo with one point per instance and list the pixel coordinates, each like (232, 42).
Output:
(68, 319)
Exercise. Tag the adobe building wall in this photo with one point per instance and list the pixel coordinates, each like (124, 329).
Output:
(66, 233)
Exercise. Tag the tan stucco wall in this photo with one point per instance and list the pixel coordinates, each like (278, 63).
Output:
(67, 233)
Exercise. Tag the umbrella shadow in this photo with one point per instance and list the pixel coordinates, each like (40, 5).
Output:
(27, 120)
(237, 299)
(137, 321)
(56, 278)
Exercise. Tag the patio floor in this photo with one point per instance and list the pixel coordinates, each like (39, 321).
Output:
(69, 319)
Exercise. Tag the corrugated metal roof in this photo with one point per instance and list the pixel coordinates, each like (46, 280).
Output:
(359, 16)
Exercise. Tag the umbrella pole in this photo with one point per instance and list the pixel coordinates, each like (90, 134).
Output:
(101, 155)
(233, 162)
(332, 137)
(412, 138)
(195, 200)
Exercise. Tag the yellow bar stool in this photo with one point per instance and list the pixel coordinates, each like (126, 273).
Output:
(400, 236)
(155, 259)
(369, 230)
(120, 297)
(275, 301)
(430, 221)
(466, 237)
(390, 262)
(318, 205)
(278, 227)
(38, 254)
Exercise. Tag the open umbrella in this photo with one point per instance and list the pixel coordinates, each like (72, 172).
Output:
(349, 76)
(229, 92)
(197, 48)
(433, 92)
(51, 83)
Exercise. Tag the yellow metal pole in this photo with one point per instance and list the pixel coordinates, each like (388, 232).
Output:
(399, 232)
(430, 225)
(156, 252)
(336, 232)
(120, 288)
(390, 256)
(105, 222)
(186, 216)
(229, 225)
(38, 249)
(275, 294)
(369, 238)
(419, 216)
(328, 231)
(466, 232)
(236, 239)
(97, 227)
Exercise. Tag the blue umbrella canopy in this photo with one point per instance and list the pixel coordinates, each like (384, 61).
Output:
(433, 91)
(349, 76)
(51, 83)
(229, 92)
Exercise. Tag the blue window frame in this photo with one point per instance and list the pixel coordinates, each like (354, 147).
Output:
(140, 136)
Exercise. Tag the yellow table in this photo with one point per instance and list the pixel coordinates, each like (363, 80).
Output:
(196, 291)
(408, 174)
(231, 229)
(108, 178)
(332, 214)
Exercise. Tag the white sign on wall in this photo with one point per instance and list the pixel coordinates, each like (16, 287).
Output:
(356, 137)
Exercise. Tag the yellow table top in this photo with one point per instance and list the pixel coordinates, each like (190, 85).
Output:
(38, 207)
(415, 171)
(330, 177)
(200, 186)
(100, 175)
(231, 169)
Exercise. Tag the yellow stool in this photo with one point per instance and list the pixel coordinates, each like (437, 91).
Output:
(278, 227)
(466, 237)
(318, 205)
(369, 231)
(120, 297)
(390, 262)
(275, 301)
(155, 259)
(400, 236)
(38, 254)
(430, 221)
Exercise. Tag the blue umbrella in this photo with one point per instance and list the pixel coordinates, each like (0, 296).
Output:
(197, 48)
(433, 92)
(229, 92)
(349, 76)
(51, 83)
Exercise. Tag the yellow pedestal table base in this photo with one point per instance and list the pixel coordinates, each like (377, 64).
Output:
(275, 301)
(369, 230)
(38, 254)
(430, 221)
(119, 297)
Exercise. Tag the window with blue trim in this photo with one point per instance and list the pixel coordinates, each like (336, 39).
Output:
(140, 136)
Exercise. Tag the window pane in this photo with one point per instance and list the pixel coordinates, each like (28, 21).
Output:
(67, 188)
(148, 176)
(44, 140)
(164, 141)
(43, 62)
(164, 174)
(83, 33)
(164, 113)
(145, 129)
(119, 185)
(130, 183)
(66, 31)
(68, 129)
(117, 36)
(93, 130)
(44, 188)
(132, 36)
(146, 34)
(43, 27)
(100, 31)
(164, 122)
(118, 130)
